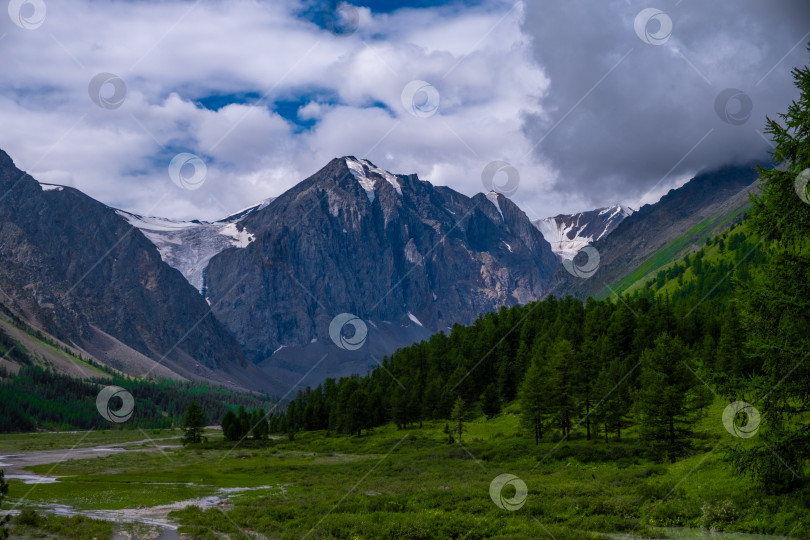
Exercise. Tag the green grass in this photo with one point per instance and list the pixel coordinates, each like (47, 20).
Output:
(47, 440)
(671, 252)
(413, 484)
(32, 525)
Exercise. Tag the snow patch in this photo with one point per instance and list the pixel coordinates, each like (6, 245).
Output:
(241, 239)
(412, 255)
(389, 177)
(50, 187)
(569, 234)
(507, 246)
(360, 175)
(359, 169)
(412, 317)
(188, 246)
(493, 198)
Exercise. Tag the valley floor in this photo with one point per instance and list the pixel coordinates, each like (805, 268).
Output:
(390, 483)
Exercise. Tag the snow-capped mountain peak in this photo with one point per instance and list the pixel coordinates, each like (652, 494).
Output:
(367, 174)
(569, 233)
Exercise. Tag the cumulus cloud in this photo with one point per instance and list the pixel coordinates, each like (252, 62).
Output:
(175, 55)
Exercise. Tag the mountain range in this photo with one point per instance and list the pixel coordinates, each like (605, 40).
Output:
(323, 281)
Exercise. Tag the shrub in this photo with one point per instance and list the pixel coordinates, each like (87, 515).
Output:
(718, 515)
(29, 518)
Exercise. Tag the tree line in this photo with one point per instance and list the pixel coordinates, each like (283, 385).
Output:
(39, 398)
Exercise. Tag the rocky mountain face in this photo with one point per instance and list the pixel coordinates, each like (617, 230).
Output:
(74, 268)
(569, 233)
(406, 257)
(704, 204)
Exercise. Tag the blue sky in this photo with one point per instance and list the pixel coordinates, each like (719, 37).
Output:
(570, 93)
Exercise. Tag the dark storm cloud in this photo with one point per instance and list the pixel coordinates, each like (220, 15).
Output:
(653, 118)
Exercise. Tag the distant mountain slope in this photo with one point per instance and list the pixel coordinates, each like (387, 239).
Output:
(657, 233)
(74, 268)
(406, 257)
(569, 233)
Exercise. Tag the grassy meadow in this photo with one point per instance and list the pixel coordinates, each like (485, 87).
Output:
(413, 483)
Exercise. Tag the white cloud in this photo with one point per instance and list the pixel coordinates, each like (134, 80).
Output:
(173, 53)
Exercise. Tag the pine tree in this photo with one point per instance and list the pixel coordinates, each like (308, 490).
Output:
(562, 385)
(260, 427)
(490, 401)
(230, 427)
(663, 400)
(776, 303)
(193, 424)
(458, 416)
(533, 399)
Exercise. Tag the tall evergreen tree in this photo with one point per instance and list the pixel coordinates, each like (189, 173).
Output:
(260, 427)
(458, 416)
(533, 397)
(562, 385)
(193, 424)
(663, 399)
(490, 401)
(776, 302)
